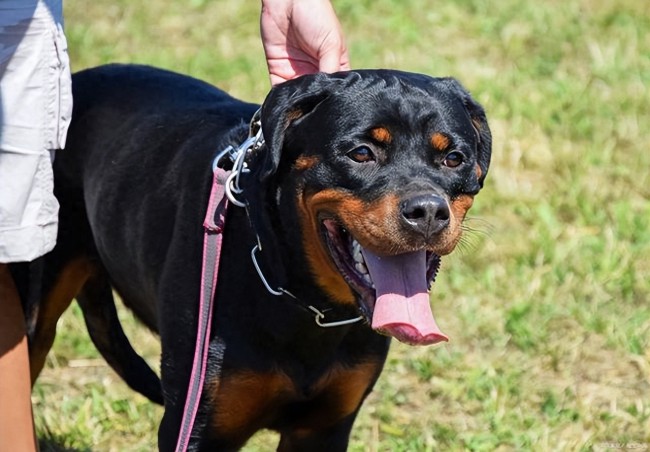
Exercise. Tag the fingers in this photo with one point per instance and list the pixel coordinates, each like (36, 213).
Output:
(301, 37)
(334, 59)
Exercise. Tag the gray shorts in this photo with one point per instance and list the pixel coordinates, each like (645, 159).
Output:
(35, 110)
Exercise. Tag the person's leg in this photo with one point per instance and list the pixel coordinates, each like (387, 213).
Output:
(35, 109)
(16, 425)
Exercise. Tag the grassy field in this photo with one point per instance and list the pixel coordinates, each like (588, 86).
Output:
(547, 302)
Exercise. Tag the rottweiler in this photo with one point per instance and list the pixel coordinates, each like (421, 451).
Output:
(362, 184)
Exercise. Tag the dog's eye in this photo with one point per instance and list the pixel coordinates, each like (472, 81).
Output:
(454, 159)
(361, 154)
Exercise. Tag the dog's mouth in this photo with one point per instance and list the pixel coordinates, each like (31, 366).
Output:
(393, 290)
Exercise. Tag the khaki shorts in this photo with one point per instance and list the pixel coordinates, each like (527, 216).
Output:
(35, 110)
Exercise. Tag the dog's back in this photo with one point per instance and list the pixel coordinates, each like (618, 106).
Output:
(120, 113)
(152, 132)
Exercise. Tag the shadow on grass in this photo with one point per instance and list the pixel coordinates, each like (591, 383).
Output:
(54, 444)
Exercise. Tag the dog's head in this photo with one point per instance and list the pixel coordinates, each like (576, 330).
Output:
(372, 172)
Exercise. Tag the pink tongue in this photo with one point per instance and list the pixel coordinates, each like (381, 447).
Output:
(402, 308)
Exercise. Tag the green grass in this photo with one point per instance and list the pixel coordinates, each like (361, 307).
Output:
(547, 301)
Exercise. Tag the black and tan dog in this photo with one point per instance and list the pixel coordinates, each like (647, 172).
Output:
(363, 184)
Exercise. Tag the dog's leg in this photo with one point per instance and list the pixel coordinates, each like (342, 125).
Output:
(98, 306)
(175, 370)
(332, 439)
(174, 390)
(68, 283)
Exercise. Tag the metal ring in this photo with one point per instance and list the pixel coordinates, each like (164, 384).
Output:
(230, 190)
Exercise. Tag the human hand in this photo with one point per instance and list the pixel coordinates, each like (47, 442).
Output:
(301, 37)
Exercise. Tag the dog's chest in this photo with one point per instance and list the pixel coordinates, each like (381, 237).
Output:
(246, 401)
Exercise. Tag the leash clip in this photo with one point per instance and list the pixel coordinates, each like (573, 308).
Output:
(236, 156)
(229, 154)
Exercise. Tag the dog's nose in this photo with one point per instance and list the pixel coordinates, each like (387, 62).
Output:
(426, 214)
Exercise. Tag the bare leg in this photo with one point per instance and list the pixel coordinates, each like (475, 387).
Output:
(16, 422)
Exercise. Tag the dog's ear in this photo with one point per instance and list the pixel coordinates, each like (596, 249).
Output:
(286, 105)
(283, 108)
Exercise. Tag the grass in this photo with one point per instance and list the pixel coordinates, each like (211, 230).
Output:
(547, 300)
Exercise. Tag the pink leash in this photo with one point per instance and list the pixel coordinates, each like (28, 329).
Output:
(225, 186)
(213, 224)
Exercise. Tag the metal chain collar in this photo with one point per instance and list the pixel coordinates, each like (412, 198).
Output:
(237, 157)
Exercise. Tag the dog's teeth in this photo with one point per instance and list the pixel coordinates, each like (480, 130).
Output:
(361, 268)
(356, 254)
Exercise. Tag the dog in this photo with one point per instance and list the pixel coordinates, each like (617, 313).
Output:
(361, 185)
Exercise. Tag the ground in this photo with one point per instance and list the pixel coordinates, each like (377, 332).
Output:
(547, 300)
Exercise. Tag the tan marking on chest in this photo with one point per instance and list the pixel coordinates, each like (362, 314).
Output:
(340, 394)
(243, 398)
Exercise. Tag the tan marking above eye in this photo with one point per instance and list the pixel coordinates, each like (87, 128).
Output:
(381, 134)
(439, 141)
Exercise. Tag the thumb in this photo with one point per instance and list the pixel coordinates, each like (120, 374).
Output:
(333, 60)
(330, 61)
